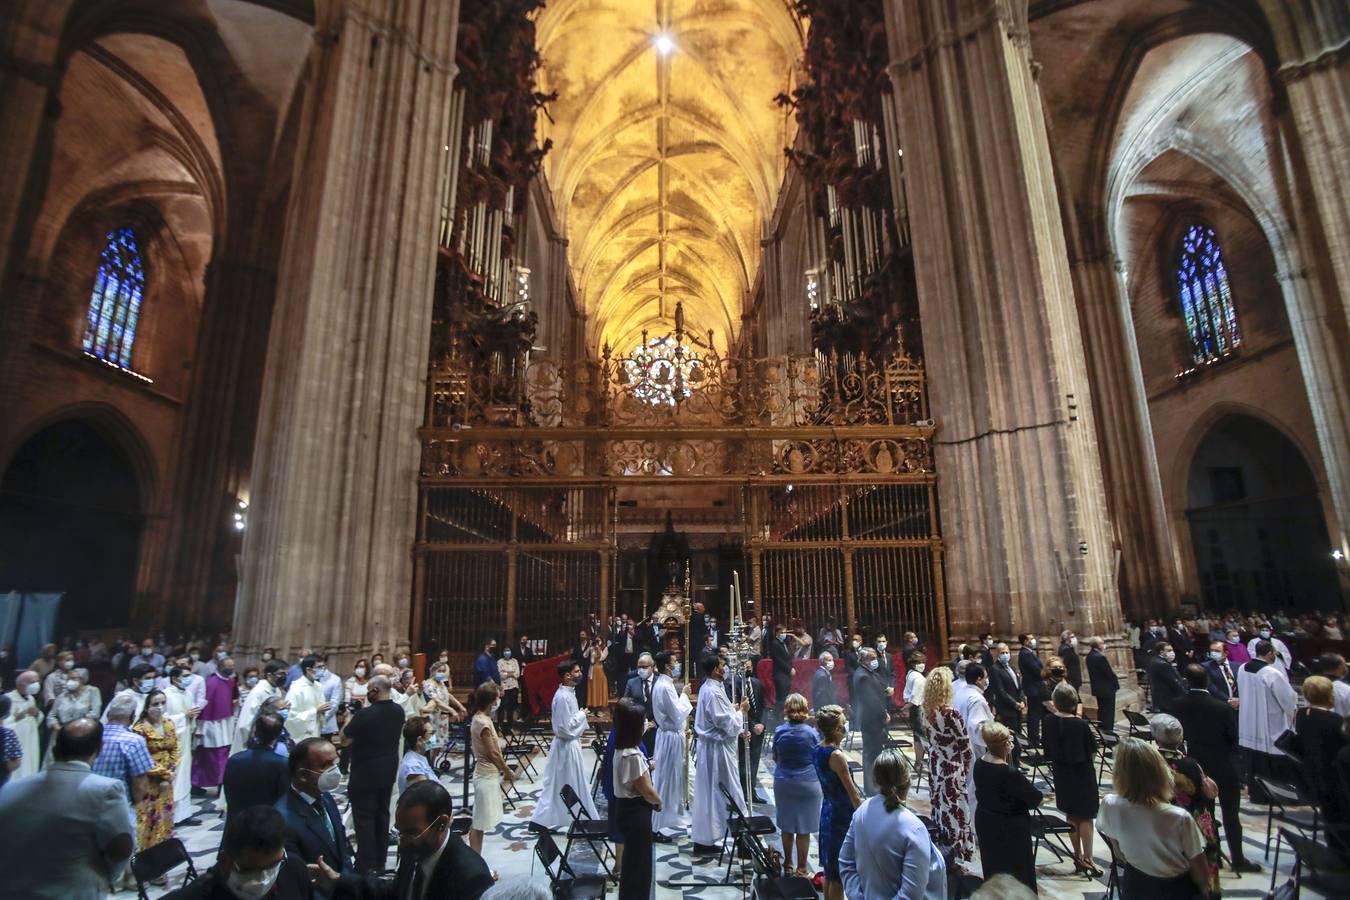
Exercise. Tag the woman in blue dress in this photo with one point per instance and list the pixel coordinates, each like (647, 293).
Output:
(840, 796)
(796, 789)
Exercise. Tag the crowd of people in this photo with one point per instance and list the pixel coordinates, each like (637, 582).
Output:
(111, 745)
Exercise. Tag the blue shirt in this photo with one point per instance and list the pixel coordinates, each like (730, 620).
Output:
(889, 856)
(794, 746)
(123, 756)
(10, 748)
(414, 763)
(485, 669)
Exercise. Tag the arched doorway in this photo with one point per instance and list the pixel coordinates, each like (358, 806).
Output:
(70, 521)
(1257, 527)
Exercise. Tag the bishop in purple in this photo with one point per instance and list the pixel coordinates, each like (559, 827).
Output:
(215, 727)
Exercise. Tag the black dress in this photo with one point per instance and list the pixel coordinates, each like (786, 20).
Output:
(1319, 742)
(1072, 749)
(1004, 800)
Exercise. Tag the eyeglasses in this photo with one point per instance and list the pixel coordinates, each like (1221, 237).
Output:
(260, 871)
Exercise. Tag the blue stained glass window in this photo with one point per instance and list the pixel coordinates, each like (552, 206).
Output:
(115, 305)
(1206, 300)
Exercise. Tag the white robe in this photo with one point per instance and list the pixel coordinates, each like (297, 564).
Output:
(1342, 692)
(305, 697)
(974, 710)
(177, 702)
(1283, 658)
(718, 726)
(565, 764)
(671, 710)
(248, 712)
(26, 729)
(1267, 708)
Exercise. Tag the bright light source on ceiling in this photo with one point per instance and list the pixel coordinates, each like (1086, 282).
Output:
(664, 44)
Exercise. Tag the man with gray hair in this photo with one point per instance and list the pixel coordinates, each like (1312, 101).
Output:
(639, 685)
(373, 734)
(123, 755)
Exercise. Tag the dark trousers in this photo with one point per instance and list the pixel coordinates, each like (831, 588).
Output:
(1013, 722)
(782, 686)
(1106, 712)
(1230, 801)
(756, 748)
(370, 817)
(506, 714)
(1035, 712)
(872, 744)
(633, 819)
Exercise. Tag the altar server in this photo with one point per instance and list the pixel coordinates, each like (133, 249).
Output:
(718, 726)
(308, 705)
(565, 764)
(182, 708)
(269, 686)
(24, 716)
(670, 709)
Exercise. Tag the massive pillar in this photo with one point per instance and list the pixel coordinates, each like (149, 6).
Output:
(1312, 42)
(327, 555)
(1149, 581)
(1022, 503)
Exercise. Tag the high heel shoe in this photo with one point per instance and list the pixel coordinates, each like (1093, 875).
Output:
(1086, 868)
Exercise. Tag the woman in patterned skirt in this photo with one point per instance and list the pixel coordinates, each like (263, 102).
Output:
(154, 814)
(949, 762)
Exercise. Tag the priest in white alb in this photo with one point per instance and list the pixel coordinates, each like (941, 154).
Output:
(181, 707)
(565, 764)
(274, 673)
(1266, 712)
(24, 716)
(974, 710)
(670, 709)
(717, 726)
(308, 703)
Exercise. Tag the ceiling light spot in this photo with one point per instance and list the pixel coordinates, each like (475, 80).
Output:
(664, 44)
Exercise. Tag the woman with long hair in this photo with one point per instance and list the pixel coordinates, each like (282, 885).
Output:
(635, 799)
(949, 760)
(490, 768)
(1159, 844)
(888, 851)
(154, 814)
(840, 798)
(1071, 748)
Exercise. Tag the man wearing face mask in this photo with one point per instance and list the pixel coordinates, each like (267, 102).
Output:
(333, 689)
(123, 755)
(1284, 660)
(746, 685)
(870, 700)
(23, 719)
(1164, 681)
(485, 666)
(639, 686)
(210, 666)
(215, 727)
(1222, 676)
(780, 654)
(149, 656)
(182, 709)
(433, 863)
(308, 705)
(508, 671)
(314, 828)
(670, 710)
(822, 683)
(257, 775)
(373, 734)
(1030, 667)
(252, 863)
(1068, 652)
(1005, 695)
(1105, 684)
(268, 687)
(565, 765)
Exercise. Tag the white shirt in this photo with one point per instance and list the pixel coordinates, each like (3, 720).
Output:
(1160, 841)
(629, 766)
(914, 685)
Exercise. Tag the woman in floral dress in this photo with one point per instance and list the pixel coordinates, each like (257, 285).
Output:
(1192, 790)
(949, 762)
(154, 814)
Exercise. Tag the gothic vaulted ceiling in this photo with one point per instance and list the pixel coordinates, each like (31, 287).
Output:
(667, 153)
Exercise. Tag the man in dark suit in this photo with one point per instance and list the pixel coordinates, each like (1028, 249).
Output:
(987, 650)
(1179, 636)
(639, 688)
(1073, 666)
(1222, 679)
(1105, 685)
(869, 698)
(433, 863)
(781, 656)
(257, 775)
(314, 827)
(747, 686)
(1005, 694)
(698, 627)
(374, 734)
(1030, 667)
(822, 683)
(1164, 681)
(850, 653)
(1211, 729)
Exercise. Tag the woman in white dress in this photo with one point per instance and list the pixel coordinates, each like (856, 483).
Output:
(490, 768)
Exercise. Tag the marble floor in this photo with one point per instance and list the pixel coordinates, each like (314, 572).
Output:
(509, 849)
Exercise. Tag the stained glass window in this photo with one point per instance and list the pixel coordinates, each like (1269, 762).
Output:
(115, 306)
(1206, 300)
(651, 371)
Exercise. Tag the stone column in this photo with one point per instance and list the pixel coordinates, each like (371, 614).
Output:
(1312, 41)
(1149, 581)
(327, 555)
(1020, 482)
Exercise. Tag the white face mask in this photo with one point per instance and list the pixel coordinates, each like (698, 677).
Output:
(827, 665)
(1170, 655)
(402, 661)
(32, 689)
(254, 886)
(72, 684)
(881, 645)
(68, 664)
(1032, 644)
(1073, 642)
(872, 663)
(360, 671)
(645, 674)
(330, 779)
(920, 667)
(495, 705)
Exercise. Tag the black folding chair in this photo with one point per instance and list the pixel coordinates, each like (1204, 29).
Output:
(771, 882)
(158, 861)
(594, 832)
(1113, 875)
(565, 883)
(1107, 740)
(1318, 866)
(1036, 761)
(738, 825)
(1050, 830)
(1139, 727)
(1281, 798)
(598, 748)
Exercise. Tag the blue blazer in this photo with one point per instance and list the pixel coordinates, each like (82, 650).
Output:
(1218, 685)
(255, 777)
(306, 836)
